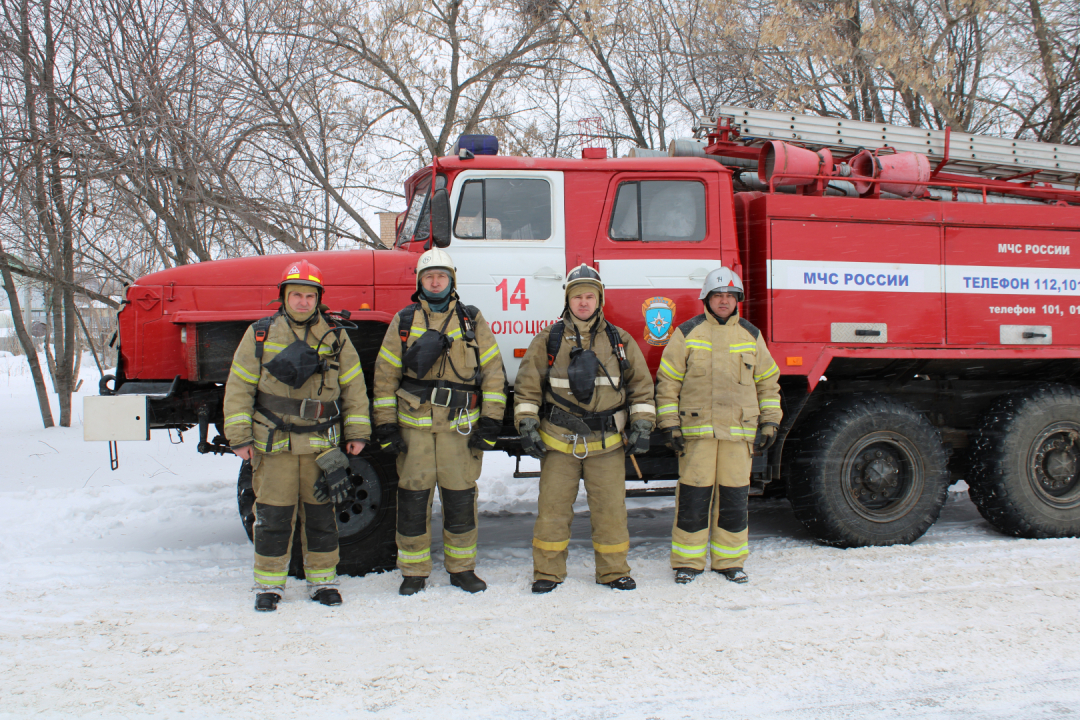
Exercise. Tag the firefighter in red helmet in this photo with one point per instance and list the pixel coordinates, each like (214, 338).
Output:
(294, 396)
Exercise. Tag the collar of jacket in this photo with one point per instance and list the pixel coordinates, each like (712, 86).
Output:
(316, 325)
(308, 321)
(585, 327)
(432, 314)
(733, 318)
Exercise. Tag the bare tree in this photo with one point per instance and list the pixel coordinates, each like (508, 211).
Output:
(1048, 52)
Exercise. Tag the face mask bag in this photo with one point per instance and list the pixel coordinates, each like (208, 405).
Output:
(423, 354)
(582, 374)
(295, 364)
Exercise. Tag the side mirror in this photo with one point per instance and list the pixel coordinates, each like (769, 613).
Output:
(440, 218)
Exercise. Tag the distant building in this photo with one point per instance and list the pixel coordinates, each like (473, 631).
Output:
(388, 228)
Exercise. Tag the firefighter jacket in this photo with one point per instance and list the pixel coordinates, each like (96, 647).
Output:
(467, 366)
(631, 393)
(717, 380)
(342, 381)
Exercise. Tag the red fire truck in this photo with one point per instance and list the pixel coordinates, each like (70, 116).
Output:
(918, 289)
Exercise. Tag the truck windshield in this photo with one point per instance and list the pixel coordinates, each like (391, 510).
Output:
(659, 211)
(417, 225)
(504, 209)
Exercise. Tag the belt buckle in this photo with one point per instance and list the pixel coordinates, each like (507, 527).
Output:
(315, 404)
(435, 397)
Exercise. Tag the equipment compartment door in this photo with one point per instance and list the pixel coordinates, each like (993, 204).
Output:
(1026, 280)
(856, 283)
(509, 240)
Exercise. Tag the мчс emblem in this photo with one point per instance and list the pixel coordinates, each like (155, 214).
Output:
(659, 315)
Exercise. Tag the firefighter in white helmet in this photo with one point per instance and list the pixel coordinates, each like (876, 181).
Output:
(581, 383)
(440, 396)
(295, 388)
(718, 398)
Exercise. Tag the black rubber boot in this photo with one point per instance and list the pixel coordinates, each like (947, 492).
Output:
(412, 584)
(544, 586)
(684, 576)
(467, 581)
(735, 575)
(327, 596)
(624, 583)
(266, 601)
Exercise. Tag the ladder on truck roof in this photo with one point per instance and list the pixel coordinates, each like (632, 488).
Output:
(972, 154)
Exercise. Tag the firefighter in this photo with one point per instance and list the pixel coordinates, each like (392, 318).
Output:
(295, 388)
(718, 397)
(440, 396)
(581, 383)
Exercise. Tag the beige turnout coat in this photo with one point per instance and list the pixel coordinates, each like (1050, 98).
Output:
(717, 381)
(393, 404)
(632, 392)
(343, 380)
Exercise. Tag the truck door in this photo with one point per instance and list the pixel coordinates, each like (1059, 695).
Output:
(508, 242)
(659, 237)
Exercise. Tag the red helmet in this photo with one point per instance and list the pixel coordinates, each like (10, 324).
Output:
(301, 272)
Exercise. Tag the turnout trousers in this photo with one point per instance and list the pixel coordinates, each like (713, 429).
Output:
(445, 460)
(605, 487)
(710, 515)
(283, 485)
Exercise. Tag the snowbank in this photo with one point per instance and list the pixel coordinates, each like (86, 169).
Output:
(127, 595)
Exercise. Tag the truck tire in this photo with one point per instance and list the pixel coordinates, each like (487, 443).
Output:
(366, 519)
(1025, 476)
(868, 471)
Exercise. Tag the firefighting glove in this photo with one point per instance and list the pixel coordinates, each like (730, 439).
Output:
(766, 436)
(333, 486)
(673, 439)
(390, 440)
(531, 442)
(637, 442)
(485, 434)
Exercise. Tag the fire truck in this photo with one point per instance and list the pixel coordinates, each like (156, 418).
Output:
(918, 290)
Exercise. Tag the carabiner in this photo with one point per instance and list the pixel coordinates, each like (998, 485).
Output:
(573, 450)
(457, 422)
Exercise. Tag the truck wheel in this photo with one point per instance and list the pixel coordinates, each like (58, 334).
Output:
(366, 518)
(1026, 472)
(868, 471)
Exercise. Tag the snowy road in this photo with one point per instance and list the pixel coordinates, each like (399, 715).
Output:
(127, 596)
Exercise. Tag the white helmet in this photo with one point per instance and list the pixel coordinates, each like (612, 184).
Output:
(436, 258)
(722, 280)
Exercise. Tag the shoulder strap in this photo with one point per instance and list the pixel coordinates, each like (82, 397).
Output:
(749, 327)
(688, 326)
(554, 341)
(467, 319)
(617, 346)
(262, 329)
(405, 318)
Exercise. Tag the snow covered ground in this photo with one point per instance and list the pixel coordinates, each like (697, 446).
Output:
(127, 595)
